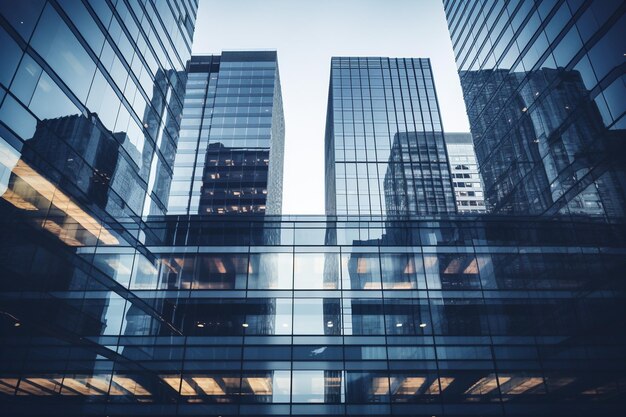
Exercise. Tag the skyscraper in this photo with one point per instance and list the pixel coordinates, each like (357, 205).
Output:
(543, 84)
(91, 105)
(468, 189)
(385, 152)
(108, 312)
(230, 153)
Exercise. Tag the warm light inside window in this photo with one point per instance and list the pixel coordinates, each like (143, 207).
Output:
(260, 386)
(485, 385)
(44, 188)
(410, 385)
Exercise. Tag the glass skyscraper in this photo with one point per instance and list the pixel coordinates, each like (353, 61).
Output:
(468, 188)
(544, 87)
(385, 152)
(91, 104)
(110, 305)
(230, 151)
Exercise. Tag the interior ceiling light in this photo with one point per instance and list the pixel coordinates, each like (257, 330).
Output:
(209, 386)
(260, 386)
(62, 202)
(410, 385)
(130, 385)
(485, 385)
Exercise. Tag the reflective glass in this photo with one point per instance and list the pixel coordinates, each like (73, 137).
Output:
(316, 271)
(317, 316)
(367, 387)
(270, 271)
(54, 41)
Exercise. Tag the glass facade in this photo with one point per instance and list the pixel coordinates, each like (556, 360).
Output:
(468, 188)
(385, 152)
(544, 87)
(112, 304)
(90, 106)
(292, 316)
(230, 153)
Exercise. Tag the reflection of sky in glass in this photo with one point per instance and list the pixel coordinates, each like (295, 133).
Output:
(308, 386)
(281, 387)
(309, 316)
(316, 271)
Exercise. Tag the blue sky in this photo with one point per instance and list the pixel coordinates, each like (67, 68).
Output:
(306, 34)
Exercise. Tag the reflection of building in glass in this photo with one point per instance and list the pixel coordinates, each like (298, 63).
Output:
(234, 178)
(162, 120)
(105, 310)
(474, 313)
(546, 103)
(417, 180)
(468, 189)
(76, 84)
(91, 160)
(384, 142)
(229, 157)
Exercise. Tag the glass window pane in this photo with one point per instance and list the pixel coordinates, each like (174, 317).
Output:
(360, 271)
(23, 15)
(177, 271)
(406, 317)
(266, 316)
(317, 316)
(25, 82)
(214, 316)
(316, 387)
(266, 387)
(364, 317)
(367, 387)
(316, 271)
(11, 54)
(221, 271)
(270, 271)
(400, 271)
(317, 352)
(116, 266)
(414, 387)
(145, 274)
(17, 118)
(56, 43)
(222, 388)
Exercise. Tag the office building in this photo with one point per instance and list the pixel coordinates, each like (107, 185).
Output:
(90, 108)
(468, 189)
(230, 151)
(112, 306)
(385, 152)
(496, 316)
(543, 84)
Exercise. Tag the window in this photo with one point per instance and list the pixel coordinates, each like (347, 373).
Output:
(55, 42)
(316, 271)
(11, 54)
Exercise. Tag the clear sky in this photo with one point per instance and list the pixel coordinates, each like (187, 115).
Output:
(306, 34)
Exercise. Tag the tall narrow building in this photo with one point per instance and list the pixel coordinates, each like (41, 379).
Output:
(544, 87)
(230, 152)
(385, 152)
